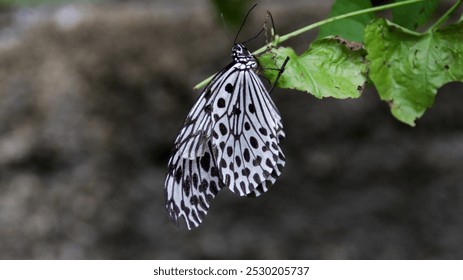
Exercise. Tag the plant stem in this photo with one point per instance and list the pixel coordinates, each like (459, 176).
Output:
(320, 23)
(444, 18)
(329, 20)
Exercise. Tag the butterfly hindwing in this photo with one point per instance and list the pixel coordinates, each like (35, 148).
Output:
(190, 187)
(192, 159)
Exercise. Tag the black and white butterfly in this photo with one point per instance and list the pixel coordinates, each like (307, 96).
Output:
(229, 139)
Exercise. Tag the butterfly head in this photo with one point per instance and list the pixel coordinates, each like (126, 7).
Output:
(240, 54)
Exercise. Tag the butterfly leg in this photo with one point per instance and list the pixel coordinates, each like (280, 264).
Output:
(280, 71)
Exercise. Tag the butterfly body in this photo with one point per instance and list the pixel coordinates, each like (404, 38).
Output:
(230, 139)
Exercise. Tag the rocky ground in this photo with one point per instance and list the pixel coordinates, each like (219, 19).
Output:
(92, 97)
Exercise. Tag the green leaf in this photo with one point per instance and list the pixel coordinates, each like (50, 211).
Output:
(407, 68)
(415, 15)
(350, 28)
(329, 68)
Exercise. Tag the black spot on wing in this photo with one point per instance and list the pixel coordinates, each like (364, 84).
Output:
(229, 151)
(252, 108)
(229, 88)
(195, 180)
(236, 111)
(208, 109)
(178, 175)
(187, 185)
(214, 171)
(238, 161)
(223, 129)
(253, 142)
(203, 186)
(214, 188)
(222, 145)
(246, 155)
(256, 178)
(206, 162)
(221, 103)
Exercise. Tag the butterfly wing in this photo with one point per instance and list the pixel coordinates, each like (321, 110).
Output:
(246, 137)
(281, 158)
(190, 186)
(193, 179)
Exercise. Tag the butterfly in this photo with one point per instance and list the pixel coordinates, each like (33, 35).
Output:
(230, 138)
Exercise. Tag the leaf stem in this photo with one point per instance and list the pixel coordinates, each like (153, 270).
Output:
(320, 23)
(444, 17)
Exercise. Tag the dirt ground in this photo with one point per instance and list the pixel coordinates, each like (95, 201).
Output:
(92, 97)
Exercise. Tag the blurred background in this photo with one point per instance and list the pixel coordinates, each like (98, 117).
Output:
(92, 96)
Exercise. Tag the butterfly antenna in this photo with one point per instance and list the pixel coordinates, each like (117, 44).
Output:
(242, 24)
(272, 30)
(280, 71)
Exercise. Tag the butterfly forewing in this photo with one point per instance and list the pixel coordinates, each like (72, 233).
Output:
(230, 139)
(247, 137)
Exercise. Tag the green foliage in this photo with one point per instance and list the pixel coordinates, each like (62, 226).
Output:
(414, 16)
(349, 28)
(326, 69)
(408, 68)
